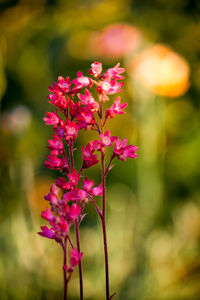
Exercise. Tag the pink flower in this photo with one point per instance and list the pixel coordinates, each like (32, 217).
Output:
(115, 109)
(122, 151)
(97, 191)
(73, 177)
(61, 182)
(58, 100)
(64, 84)
(89, 159)
(106, 139)
(52, 197)
(51, 119)
(75, 195)
(53, 162)
(75, 211)
(89, 101)
(85, 118)
(63, 225)
(46, 232)
(94, 145)
(96, 69)
(70, 131)
(74, 108)
(80, 82)
(54, 189)
(47, 215)
(109, 87)
(114, 73)
(56, 145)
(75, 257)
(87, 186)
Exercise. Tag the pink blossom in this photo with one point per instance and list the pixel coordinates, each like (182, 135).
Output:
(75, 257)
(87, 185)
(54, 189)
(64, 84)
(89, 159)
(58, 100)
(51, 119)
(96, 69)
(47, 215)
(56, 145)
(97, 191)
(86, 118)
(80, 82)
(70, 130)
(94, 145)
(122, 151)
(106, 139)
(74, 108)
(73, 177)
(61, 182)
(52, 198)
(75, 211)
(109, 87)
(75, 195)
(116, 108)
(46, 232)
(114, 73)
(53, 162)
(63, 225)
(89, 101)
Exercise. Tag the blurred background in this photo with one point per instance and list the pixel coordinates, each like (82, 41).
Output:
(154, 201)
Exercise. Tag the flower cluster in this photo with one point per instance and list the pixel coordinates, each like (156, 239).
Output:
(76, 110)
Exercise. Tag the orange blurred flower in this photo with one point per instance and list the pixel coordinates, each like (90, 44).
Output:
(162, 71)
(115, 41)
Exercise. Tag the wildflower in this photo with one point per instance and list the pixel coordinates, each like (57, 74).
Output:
(89, 159)
(46, 232)
(109, 87)
(106, 139)
(80, 82)
(96, 69)
(52, 119)
(122, 151)
(114, 73)
(75, 257)
(89, 101)
(115, 109)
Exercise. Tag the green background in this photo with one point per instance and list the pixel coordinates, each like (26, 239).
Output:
(153, 202)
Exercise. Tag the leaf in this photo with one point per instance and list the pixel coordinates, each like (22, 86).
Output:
(112, 295)
(81, 218)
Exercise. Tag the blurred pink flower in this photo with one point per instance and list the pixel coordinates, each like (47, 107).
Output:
(115, 41)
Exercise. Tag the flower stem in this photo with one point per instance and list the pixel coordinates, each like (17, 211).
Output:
(103, 218)
(77, 230)
(80, 263)
(64, 271)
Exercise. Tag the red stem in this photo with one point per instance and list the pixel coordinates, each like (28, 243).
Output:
(64, 271)
(80, 263)
(77, 230)
(103, 218)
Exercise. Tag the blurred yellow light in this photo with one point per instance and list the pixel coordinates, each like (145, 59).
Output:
(162, 71)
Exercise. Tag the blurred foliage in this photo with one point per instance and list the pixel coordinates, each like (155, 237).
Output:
(153, 203)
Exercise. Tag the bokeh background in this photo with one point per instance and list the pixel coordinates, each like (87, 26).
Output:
(154, 201)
